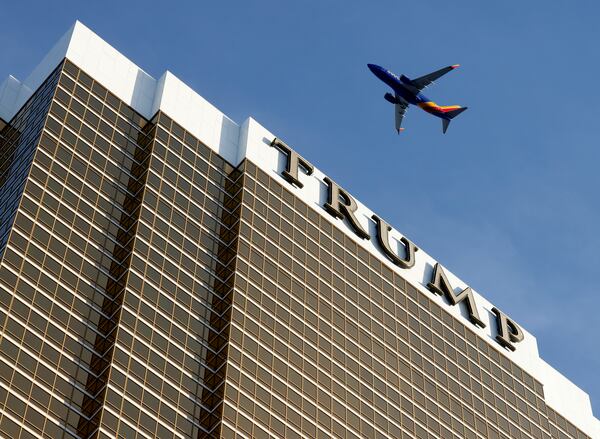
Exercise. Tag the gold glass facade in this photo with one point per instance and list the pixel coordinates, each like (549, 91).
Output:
(327, 341)
(115, 278)
(150, 289)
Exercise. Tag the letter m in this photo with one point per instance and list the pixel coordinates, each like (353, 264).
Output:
(440, 285)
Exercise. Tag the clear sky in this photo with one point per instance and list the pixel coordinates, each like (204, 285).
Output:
(507, 199)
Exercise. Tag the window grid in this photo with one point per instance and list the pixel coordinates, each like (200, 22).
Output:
(274, 237)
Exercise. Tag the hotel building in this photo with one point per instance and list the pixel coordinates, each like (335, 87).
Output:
(168, 273)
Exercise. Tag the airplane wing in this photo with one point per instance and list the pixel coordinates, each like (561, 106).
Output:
(426, 80)
(400, 109)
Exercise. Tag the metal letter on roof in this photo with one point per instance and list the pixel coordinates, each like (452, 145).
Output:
(508, 331)
(439, 284)
(293, 162)
(341, 205)
(383, 238)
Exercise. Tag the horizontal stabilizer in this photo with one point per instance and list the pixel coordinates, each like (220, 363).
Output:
(445, 123)
(449, 115)
(453, 113)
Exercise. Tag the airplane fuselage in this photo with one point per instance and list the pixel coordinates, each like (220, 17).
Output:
(407, 92)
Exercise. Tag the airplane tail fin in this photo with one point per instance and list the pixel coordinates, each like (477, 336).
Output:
(449, 115)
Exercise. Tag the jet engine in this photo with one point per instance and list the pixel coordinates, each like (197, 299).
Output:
(390, 98)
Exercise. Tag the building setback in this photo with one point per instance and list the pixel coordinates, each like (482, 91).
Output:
(165, 272)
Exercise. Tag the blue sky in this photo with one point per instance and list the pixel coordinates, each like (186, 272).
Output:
(507, 199)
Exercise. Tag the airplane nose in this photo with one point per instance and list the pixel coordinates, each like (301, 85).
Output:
(377, 70)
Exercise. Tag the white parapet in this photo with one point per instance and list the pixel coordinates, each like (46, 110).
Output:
(132, 85)
(197, 115)
(234, 143)
(565, 397)
(10, 90)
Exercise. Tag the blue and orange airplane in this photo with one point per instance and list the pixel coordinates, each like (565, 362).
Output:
(408, 91)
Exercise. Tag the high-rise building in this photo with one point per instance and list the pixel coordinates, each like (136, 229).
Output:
(166, 273)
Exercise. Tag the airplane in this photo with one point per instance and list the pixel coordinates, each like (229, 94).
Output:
(408, 91)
